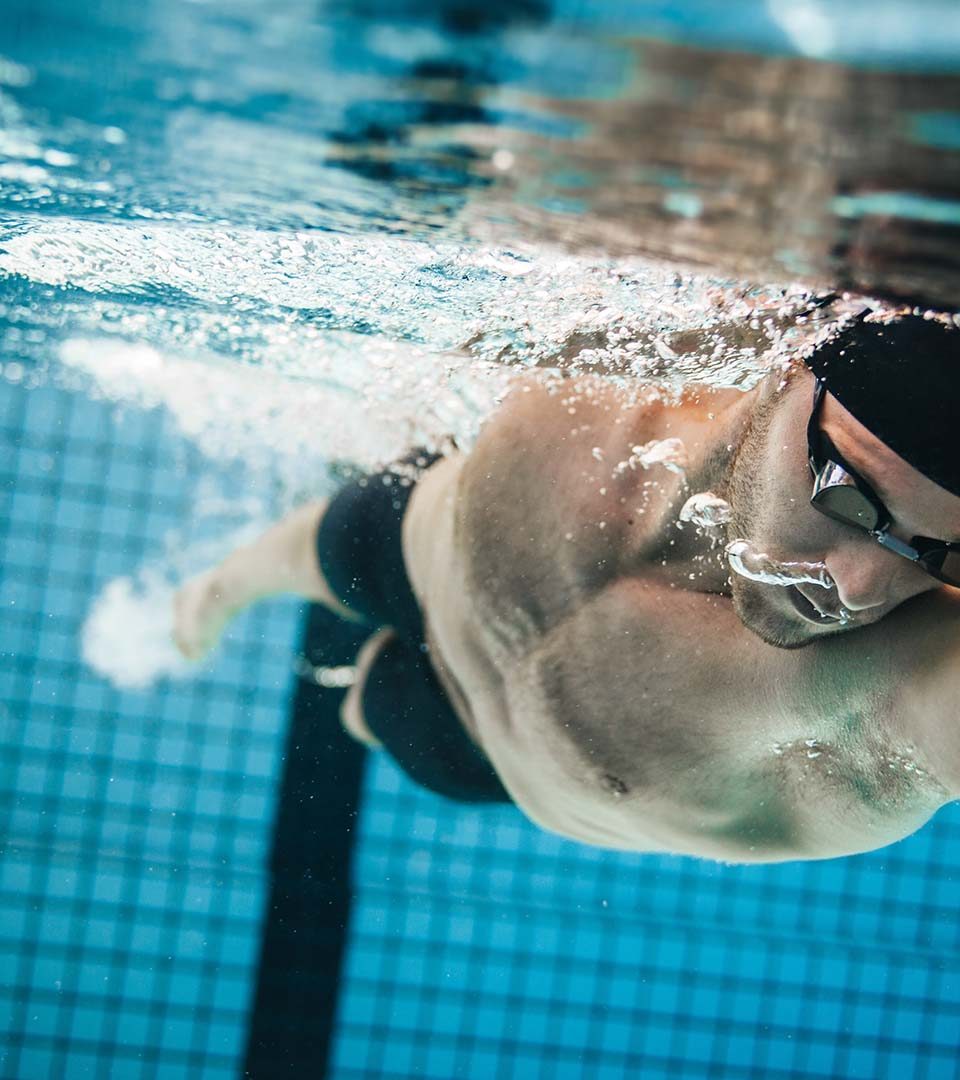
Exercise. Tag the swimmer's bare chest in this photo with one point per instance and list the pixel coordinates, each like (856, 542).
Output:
(620, 710)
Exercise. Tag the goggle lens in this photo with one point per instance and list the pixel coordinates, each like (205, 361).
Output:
(839, 494)
(847, 504)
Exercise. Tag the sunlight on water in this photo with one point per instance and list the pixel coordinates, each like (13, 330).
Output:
(260, 344)
(276, 300)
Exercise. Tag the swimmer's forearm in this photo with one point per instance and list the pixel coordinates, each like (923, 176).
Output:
(281, 560)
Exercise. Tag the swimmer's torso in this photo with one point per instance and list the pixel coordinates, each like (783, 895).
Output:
(619, 706)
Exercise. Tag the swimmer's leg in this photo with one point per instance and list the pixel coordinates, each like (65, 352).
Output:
(351, 710)
(398, 702)
(281, 560)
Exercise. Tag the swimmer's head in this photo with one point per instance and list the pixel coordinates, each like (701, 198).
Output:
(901, 380)
(892, 409)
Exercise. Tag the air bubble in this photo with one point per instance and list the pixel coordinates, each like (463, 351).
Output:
(706, 510)
(754, 565)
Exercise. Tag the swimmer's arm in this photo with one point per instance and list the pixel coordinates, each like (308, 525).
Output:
(822, 802)
(281, 560)
(521, 497)
(859, 772)
(853, 782)
(801, 802)
(716, 761)
(928, 637)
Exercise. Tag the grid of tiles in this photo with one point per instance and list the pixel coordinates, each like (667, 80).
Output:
(483, 947)
(136, 825)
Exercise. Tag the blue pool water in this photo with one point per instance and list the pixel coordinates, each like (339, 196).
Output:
(243, 244)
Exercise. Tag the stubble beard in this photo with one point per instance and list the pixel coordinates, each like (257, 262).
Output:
(745, 491)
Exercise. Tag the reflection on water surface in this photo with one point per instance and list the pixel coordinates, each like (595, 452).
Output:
(363, 197)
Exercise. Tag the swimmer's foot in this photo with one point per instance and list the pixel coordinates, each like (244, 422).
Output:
(201, 610)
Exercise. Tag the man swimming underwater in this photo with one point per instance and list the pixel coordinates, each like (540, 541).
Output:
(546, 630)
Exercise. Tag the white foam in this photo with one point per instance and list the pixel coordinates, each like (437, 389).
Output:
(373, 405)
(272, 298)
(126, 637)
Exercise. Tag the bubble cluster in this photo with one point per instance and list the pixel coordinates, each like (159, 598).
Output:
(669, 453)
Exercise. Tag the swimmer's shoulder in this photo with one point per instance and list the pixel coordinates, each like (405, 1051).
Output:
(531, 496)
(923, 641)
(545, 449)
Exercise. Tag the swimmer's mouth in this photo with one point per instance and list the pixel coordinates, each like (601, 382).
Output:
(810, 611)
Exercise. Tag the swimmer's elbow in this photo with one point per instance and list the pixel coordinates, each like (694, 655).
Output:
(805, 844)
(833, 827)
(801, 814)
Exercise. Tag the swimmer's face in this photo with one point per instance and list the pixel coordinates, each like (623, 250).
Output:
(769, 497)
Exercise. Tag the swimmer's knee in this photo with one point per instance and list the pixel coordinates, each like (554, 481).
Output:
(351, 711)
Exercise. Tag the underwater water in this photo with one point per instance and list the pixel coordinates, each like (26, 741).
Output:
(297, 237)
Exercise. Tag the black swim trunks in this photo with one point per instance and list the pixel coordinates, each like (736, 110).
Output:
(360, 552)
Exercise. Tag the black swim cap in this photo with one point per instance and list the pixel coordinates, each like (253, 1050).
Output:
(901, 380)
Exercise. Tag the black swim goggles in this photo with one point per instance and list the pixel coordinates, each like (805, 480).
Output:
(842, 494)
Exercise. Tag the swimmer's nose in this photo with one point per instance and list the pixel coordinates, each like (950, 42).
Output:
(868, 577)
